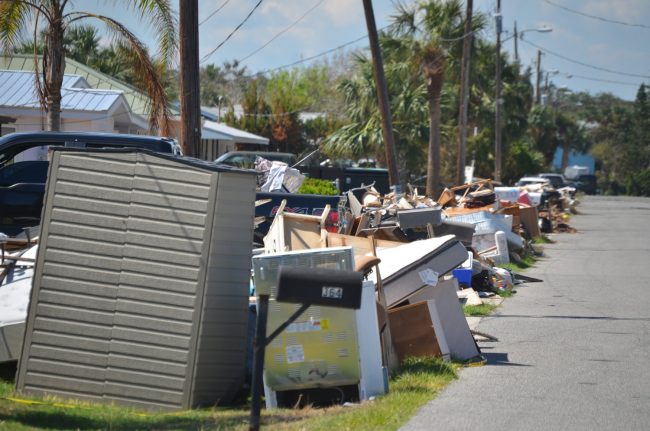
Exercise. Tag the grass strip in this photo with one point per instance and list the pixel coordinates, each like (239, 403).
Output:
(524, 263)
(543, 239)
(416, 383)
(484, 309)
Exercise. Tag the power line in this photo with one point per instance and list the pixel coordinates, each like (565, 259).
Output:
(282, 32)
(617, 72)
(600, 18)
(295, 63)
(214, 13)
(458, 38)
(588, 78)
(329, 51)
(232, 32)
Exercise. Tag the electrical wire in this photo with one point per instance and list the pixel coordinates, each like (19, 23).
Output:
(455, 39)
(295, 63)
(232, 32)
(600, 18)
(603, 69)
(609, 81)
(282, 31)
(214, 13)
(329, 51)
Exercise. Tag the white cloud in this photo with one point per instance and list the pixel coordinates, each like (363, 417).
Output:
(344, 12)
(628, 10)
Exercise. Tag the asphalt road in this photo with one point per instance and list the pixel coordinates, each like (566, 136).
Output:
(573, 351)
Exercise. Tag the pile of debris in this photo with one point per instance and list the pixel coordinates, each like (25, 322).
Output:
(17, 257)
(423, 257)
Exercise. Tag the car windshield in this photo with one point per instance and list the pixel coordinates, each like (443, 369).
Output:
(247, 160)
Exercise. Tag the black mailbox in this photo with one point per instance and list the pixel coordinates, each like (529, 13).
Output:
(317, 286)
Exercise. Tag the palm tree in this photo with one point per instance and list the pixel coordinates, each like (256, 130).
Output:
(435, 28)
(362, 135)
(82, 44)
(16, 15)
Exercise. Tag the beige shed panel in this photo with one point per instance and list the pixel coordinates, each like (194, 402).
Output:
(141, 289)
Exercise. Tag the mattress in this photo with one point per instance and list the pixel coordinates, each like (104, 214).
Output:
(407, 268)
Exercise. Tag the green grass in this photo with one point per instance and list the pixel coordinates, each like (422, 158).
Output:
(479, 310)
(418, 381)
(525, 263)
(543, 239)
(507, 293)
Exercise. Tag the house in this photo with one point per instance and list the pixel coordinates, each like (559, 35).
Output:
(93, 101)
(82, 108)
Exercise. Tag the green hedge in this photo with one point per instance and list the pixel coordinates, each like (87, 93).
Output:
(314, 186)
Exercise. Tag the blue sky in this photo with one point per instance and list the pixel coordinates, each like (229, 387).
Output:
(622, 49)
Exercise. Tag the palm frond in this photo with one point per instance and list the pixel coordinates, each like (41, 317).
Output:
(164, 23)
(159, 114)
(14, 15)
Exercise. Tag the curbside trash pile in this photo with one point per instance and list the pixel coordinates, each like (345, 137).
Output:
(142, 285)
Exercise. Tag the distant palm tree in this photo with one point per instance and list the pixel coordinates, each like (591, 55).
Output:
(17, 15)
(82, 44)
(435, 27)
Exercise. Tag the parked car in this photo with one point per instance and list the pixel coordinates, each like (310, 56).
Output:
(525, 181)
(587, 184)
(557, 180)
(22, 181)
(246, 159)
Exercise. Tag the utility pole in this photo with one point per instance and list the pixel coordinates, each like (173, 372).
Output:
(498, 101)
(464, 93)
(515, 40)
(538, 96)
(190, 127)
(546, 86)
(382, 95)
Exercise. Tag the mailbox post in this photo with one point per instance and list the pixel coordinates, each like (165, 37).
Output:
(305, 286)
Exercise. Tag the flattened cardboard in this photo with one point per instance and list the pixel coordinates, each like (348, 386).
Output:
(528, 216)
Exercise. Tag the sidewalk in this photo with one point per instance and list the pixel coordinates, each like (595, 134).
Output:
(571, 349)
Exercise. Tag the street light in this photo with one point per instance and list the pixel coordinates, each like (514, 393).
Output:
(520, 35)
(498, 101)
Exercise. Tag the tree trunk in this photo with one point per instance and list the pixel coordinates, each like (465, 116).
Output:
(434, 88)
(382, 96)
(565, 155)
(54, 67)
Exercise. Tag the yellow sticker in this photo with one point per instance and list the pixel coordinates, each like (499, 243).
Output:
(325, 324)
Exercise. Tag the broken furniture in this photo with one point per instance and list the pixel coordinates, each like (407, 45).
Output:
(410, 267)
(417, 331)
(140, 292)
(455, 329)
(15, 287)
(291, 231)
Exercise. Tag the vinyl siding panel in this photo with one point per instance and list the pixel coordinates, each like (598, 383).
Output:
(224, 322)
(141, 294)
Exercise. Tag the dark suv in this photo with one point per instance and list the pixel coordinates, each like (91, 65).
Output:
(22, 182)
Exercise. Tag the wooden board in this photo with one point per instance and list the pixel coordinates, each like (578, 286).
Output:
(413, 332)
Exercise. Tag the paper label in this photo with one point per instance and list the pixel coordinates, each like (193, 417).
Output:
(429, 277)
(308, 326)
(295, 353)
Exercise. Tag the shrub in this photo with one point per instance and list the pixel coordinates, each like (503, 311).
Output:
(314, 186)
